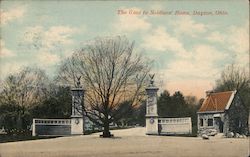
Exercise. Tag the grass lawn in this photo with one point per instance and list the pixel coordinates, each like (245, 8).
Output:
(25, 137)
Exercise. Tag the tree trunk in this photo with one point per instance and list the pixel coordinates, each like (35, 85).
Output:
(106, 132)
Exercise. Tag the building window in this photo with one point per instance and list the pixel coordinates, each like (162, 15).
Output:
(201, 122)
(210, 122)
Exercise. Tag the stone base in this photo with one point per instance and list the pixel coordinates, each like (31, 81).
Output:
(77, 126)
(152, 125)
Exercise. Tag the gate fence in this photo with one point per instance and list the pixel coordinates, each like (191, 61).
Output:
(51, 127)
(175, 125)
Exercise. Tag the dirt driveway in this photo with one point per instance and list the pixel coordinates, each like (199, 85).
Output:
(127, 143)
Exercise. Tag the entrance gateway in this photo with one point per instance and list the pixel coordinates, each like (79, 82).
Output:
(151, 108)
(77, 124)
(156, 125)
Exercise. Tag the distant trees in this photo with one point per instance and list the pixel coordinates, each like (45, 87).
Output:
(235, 78)
(57, 104)
(176, 105)
(164, 105)
(179, 106)
(113, 76)
(140, 114)
(30, 94)
(20, 92)
(24, 88)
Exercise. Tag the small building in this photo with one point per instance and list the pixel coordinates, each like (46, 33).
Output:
(223, 111)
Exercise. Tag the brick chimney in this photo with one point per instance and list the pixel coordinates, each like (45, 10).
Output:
(209, 92)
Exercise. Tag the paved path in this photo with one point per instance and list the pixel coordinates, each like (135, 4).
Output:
(127, 143)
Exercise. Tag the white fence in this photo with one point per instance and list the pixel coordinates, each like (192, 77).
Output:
(175, 125)
(54, 127)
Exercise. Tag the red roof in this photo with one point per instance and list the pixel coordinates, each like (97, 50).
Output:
(217, 102)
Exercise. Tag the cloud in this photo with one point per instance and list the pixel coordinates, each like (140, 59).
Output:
(195, 74)
(160, 40)
(202, 64)
(216, 37)
(186, 25)
(49, 44)
(156, 5)
(47, 59)
(12, 14)
(235, 39)
(130, 23)
(11, 68)
(60, 34)
(239, 38)
(55, 36)
(4, 52)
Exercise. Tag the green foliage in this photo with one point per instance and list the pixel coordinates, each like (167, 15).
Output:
(10, 116)
(26, 95)
(175, 105)
(140, 113)
(56, 105)
(163, 109)
(20, 91)
(22, 137)
(179, 106)
(131, 115)
(125, 116)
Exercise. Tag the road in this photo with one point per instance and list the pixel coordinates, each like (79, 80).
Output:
(127, 143)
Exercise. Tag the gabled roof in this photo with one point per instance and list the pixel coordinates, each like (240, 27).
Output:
(217, 102)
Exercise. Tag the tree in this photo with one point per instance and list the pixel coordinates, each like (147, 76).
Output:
(140, 114)
(164, 104)
(179, 106)
(193, 105)
(21, 91)
(235, 78)
(176, 105)
(112, 74)
(57, 104)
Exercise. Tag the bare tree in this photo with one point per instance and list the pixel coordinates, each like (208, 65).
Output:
(233, 78)
(111, 74)
(24, 89)
(68, 73)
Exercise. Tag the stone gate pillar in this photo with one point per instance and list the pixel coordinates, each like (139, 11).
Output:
(77, 119)
(151, 108)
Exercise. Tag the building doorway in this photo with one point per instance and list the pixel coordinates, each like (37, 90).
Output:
(219, 123)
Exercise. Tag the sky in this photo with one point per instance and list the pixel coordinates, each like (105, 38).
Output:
(190, 42)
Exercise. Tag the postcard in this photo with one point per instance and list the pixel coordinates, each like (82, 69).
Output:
(124, 78)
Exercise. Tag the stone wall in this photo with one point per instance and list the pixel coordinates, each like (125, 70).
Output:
(49, 130)
(205, 117)
(51, 127)
(175, 125)
(237, 117)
